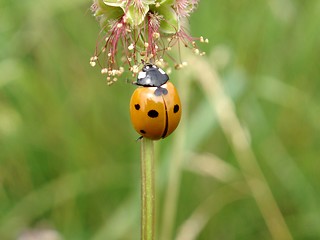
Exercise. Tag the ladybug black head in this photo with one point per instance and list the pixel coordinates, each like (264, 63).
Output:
(151, 76)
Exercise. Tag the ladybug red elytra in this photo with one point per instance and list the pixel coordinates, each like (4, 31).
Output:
(155, 107)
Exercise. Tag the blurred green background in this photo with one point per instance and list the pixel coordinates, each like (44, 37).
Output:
(68, 156)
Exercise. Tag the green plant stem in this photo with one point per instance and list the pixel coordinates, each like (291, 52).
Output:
(174, 171)
(147, 190)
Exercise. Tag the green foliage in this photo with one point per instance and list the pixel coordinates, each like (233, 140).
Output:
(68, 155)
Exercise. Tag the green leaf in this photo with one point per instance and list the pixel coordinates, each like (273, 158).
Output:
(109, 12)
(167, 2)
(105, 13)
(170, 23)
(136, 16)
(149, 2)
(114, 3)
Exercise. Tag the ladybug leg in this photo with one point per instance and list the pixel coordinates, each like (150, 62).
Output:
(139, 138)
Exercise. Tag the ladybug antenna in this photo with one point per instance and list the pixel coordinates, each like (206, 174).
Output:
(131, 82)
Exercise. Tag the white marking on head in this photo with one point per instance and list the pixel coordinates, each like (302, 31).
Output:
(161, 71)
(154, 66)
(148, 80)
(142, 75)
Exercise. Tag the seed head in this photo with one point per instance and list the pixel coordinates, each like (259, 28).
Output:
(137, 31)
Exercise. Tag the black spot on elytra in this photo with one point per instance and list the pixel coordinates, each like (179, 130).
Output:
(176, 108)
(153, 114)
(137, 106)
(143, 131)
(160, 91)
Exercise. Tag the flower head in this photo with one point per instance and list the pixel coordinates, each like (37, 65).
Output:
(184, 7)
(135, 31)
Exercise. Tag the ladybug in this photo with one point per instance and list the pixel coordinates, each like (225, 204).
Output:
(155, 107)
